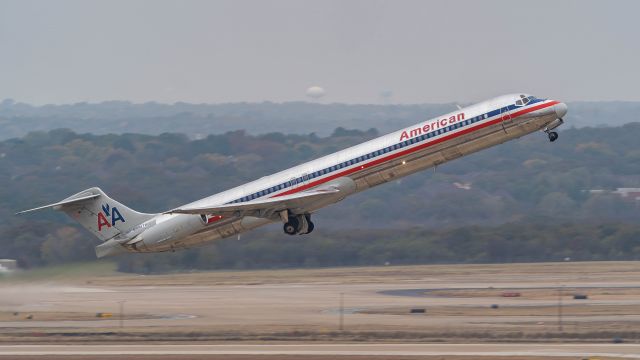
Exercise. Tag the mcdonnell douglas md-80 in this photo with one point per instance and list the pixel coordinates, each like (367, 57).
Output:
(292, 195)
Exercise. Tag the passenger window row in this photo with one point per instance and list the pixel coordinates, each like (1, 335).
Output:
(362, 158)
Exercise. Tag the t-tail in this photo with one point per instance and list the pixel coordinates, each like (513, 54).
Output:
(101, 215)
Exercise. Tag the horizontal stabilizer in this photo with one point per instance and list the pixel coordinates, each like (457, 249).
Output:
(67, 201)
(98, 213)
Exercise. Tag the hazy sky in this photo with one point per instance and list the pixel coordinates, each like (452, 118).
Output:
(231, 51)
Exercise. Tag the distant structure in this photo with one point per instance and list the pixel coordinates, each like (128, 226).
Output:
(8, 265)
(386, 96)
(628, 193)
(315, 92)
(463, 186)
(625, 193)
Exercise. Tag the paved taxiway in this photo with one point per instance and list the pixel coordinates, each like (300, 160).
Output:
(628, 351)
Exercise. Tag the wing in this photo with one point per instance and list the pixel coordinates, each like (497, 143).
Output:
(266, 208)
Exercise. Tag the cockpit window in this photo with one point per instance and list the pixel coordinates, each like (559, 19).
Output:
(524, 100)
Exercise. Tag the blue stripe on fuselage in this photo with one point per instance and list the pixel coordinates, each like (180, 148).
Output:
(383, 151)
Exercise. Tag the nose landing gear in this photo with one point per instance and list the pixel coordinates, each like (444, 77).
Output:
(553, 136)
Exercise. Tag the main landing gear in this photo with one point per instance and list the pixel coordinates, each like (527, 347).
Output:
(298, 224)
(553, 136)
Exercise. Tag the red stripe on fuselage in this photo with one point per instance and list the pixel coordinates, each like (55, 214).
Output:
(376, 162)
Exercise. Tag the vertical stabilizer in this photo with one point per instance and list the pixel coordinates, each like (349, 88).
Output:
(98, 213)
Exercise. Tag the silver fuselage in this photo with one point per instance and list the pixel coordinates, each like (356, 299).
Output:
(389, 157)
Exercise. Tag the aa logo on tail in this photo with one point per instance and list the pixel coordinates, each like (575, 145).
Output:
(107, 214)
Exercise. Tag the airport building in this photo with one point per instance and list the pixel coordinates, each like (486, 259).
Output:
(8, 265)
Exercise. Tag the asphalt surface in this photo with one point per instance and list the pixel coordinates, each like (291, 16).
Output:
(280, 306)
(628, 351)
(304, 305)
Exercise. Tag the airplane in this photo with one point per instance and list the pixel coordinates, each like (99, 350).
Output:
(292, 195)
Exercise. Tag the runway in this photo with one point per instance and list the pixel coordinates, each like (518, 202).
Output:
(304, 306)
(625, 351)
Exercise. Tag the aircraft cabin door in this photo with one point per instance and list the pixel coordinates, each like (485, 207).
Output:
(305, 178)
(299, 181)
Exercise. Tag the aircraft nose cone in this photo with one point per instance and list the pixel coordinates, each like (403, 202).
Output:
(561, 110)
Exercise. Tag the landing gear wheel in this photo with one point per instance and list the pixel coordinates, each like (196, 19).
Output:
(553, 136)
(310, 225)
(306, 223)
(298, 224)
(291, 227)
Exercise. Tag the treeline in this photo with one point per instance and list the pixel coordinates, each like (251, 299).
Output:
(537, 240)
(515, 242)
(515, 183)
(200, 120)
